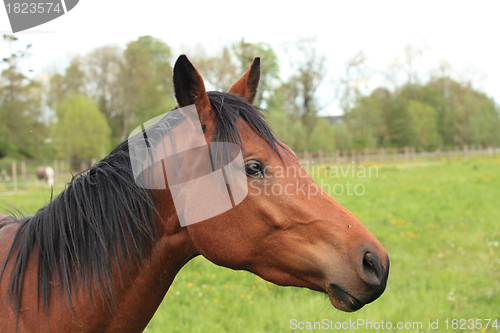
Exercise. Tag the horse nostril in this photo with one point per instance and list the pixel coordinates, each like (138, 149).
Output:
(372, 269)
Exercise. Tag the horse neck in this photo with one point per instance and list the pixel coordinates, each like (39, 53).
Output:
(139, 300)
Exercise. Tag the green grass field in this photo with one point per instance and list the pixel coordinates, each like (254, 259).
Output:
(439, 222)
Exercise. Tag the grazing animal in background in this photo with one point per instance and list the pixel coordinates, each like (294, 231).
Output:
(101, 256)
(45, 173)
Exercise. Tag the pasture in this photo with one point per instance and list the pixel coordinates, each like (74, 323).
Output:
(438, 221)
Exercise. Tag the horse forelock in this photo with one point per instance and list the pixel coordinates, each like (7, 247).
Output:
(231, 109)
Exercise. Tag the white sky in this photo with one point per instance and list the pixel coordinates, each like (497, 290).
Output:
(466, 34)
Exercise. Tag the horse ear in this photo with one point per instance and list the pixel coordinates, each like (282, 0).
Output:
(246, 86)
(189, 87)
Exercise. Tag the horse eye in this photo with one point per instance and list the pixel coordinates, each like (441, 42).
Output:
(254, 169)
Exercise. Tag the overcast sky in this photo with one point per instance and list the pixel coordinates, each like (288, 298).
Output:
(465, 34)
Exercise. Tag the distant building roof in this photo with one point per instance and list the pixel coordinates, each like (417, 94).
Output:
(335, 120)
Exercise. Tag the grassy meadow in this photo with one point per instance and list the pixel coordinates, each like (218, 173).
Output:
(438, 220)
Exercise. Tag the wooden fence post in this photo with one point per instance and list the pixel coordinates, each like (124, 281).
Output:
(56, 172)
(23, 172)
(14, 176)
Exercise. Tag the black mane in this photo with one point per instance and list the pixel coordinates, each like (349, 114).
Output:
(103, 217)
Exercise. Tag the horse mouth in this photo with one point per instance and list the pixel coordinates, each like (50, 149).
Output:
(341, 300)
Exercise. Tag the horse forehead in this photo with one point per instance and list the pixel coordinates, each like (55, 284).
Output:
(253, 143)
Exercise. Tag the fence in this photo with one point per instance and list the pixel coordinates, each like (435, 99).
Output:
(384, 155)
(22, 174)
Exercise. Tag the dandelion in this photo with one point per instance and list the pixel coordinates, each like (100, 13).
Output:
(253, 287)
(408, 234)
(278, 296)
(190, 284)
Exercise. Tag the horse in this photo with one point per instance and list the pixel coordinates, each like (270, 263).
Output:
(45, 173)
(101, 256)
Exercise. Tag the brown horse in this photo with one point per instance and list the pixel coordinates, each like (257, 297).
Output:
(101, 256)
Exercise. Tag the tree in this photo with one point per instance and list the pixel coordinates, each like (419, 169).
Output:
(350, 85)
(342, 137)
(146, 81)
(219, 70)
(81, 130)
(300, 89)
(129, 86)
(365, 120)
(322, 137)
(224, 68)
(424, 121)
(19, 118)
(74, 80)
(288, 130)
(269, 68)
(104, 67)
(38, 120)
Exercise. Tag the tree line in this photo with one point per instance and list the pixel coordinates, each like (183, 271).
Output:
(83, 110)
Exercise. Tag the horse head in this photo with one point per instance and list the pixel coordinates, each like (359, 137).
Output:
(287, 230)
